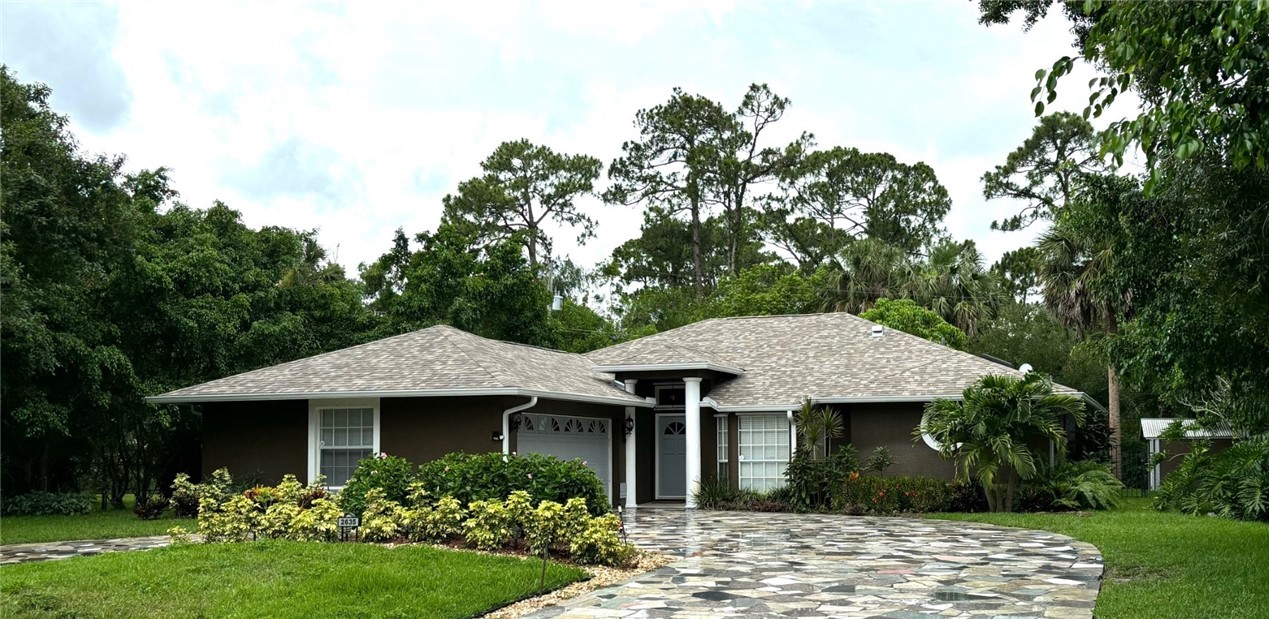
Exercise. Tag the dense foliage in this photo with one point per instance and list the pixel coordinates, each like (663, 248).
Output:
(46, 504)
(477, 477)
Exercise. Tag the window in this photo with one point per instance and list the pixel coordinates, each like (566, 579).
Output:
(345, 436)
(721, 421)
(764, 451)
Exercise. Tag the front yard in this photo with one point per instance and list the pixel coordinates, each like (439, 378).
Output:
(1161, 564)
(93, 525)
(275, 579)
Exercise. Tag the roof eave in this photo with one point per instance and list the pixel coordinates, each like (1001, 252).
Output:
(756, 408)
(668, 367)
(176, 398)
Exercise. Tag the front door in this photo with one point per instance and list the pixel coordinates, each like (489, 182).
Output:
(671, 457)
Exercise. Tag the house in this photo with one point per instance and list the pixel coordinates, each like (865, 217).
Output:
(653, 417)
(1220, 439)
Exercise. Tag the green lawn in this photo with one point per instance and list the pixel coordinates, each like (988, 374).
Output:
(93, 525)
(1161, 564)
(274, 579)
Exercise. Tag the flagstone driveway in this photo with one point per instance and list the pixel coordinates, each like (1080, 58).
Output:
(805, 565)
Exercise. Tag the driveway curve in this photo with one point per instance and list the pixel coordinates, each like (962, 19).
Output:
(750, 564)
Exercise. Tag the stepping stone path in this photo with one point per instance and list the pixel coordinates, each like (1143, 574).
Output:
(745, 564)
(49, 551)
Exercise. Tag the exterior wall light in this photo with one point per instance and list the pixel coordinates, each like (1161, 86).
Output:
(516, 420)
(630, 425)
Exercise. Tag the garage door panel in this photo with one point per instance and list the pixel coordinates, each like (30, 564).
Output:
(567, 438)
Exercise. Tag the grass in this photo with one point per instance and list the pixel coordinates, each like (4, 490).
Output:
(93, 525)
(1163, 564)
(274, 579)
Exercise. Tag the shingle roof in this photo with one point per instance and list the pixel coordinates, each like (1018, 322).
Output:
(1152, 427)
(823, 356)
(658, 351)
(435, 359)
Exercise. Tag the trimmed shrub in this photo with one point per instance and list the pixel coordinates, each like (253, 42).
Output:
(489, 525)
(320, 522)
(150, 508)
(965, 498)
(187, 496)
(383, 520)
(866, 494)
(46, 504)
(492, 476)
(390, 474)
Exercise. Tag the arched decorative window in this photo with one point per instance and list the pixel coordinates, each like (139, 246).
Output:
(675, 427)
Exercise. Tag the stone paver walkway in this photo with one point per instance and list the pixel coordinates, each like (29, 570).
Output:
(48, 551)
(803, 565)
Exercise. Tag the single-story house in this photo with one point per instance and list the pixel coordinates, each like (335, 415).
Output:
(1220, 438)
(653, 416)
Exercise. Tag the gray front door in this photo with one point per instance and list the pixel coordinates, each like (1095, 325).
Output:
(671, 457)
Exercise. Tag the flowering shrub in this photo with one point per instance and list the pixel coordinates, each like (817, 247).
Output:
(390, 474)
(867, 494)
(481, 477)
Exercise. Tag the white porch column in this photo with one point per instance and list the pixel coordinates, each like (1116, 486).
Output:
(631, 472)
(692, 414)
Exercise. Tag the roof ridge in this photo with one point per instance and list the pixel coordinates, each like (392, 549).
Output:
(445, 334)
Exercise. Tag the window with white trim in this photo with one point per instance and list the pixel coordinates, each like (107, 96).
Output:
(721, 422)
(345, 436)
(764, 451)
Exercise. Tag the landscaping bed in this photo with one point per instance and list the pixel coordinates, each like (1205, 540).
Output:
(1164, 564)
(276, 578)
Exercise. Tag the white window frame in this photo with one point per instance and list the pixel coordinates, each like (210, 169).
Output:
(742, 480)
(722, 445)
(315, 408)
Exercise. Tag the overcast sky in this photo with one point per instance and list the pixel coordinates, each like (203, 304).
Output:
(356, 119)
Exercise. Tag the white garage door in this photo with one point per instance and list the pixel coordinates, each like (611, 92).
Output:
(567, 438)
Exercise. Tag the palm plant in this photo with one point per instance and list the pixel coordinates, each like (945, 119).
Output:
(817, 426)
(954, 284)
(1074, 274)
(864, 271)
(987, 432)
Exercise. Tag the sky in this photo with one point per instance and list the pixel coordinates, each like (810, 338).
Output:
(356, 119)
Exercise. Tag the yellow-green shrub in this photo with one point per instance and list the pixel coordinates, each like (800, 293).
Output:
(317, 523)
(235, 520)
(444, 521)
(488, 525)
(600, 543)
(276, 520)
(382, 520)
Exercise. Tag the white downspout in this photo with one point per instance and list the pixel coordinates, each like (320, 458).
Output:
(506, 422)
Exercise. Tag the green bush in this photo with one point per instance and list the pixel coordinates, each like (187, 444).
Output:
(1072, 485)
(811, 481)
(46, 504)
(383, 520)
(867, 494)
(484, 477)
(1233, 483)
(489, 526)
(390, 474)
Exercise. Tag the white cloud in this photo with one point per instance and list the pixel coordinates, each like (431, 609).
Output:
(356, 119)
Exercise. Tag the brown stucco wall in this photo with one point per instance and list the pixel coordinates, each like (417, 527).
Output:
(424, 429)
(256, 439)
(1176, 451)
(891, 426)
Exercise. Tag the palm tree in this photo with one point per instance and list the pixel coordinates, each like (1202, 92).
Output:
(954, 284)
(864, 271)
(987, 431)
(1074, 273)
